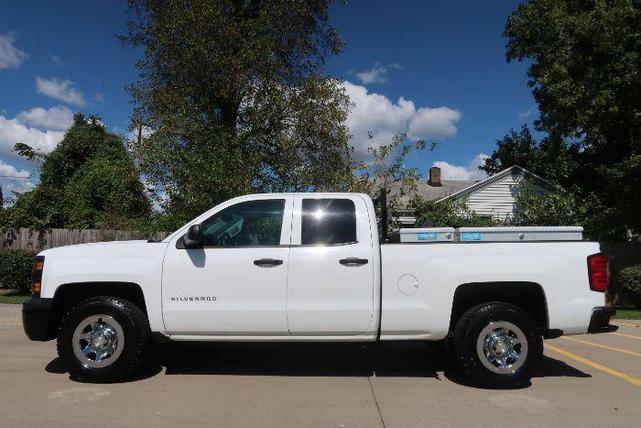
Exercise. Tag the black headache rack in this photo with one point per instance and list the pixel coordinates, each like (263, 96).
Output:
(380, 204)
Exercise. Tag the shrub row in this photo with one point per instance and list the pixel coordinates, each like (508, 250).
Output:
(630, 280)
(15, 269)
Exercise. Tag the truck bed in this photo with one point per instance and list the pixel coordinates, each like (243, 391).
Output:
(419, 282)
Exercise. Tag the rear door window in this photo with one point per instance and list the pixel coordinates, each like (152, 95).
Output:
(328, 222)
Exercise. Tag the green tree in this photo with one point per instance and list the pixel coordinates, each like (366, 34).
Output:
(386, 172)
(1, 199)
(236, 99)
(88, 180)
(585, 58)
(552, 158)
(565, 208)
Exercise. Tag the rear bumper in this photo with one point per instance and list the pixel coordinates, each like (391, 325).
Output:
(35, 318)
(600, 320)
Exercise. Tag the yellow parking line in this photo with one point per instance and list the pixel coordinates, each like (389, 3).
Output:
(627, 335)
(598, 345)
(625, 323)
(10, 323)
(631, 379)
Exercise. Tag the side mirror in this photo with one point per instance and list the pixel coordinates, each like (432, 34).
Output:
(194, 237)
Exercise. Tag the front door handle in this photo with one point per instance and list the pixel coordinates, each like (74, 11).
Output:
(268, 262)
(353, 261)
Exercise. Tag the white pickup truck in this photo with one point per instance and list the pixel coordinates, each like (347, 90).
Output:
(309, 267)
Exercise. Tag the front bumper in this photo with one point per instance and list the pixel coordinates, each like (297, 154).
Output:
(35, 318)
(600, 320)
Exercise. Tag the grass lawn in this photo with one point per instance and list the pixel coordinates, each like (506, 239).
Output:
(12, 296)
(630, 314)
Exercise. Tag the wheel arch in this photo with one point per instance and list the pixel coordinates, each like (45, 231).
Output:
(529, 296)
(69, 295)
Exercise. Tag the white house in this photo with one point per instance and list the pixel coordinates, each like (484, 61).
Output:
(494, 196)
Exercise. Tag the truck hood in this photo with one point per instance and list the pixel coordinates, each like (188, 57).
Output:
(105, 249)
(138, 262)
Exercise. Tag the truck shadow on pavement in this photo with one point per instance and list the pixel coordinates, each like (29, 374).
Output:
(393, 359)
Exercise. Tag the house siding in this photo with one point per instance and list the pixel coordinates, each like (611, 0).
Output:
(494, 196)
(498, 199)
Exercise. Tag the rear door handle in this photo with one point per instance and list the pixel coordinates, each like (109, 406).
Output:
(268, 262)
(353, 261)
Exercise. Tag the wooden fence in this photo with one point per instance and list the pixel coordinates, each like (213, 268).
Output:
(33, 240)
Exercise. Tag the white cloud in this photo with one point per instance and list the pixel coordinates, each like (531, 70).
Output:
(470, 171)
(56, 118)
(10, 56)
(14, 180)
(527, 113)
(376, 114)
(61, 90)
(17, 130)
(435, 122)
(376, 74)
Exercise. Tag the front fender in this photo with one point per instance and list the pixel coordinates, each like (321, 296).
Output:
(136, 262)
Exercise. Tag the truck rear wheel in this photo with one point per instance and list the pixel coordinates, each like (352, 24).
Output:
(497, 344)
(103, 339)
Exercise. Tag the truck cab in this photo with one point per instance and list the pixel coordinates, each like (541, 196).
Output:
(275, 266)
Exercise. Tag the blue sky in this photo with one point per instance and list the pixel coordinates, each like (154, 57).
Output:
(433, 70)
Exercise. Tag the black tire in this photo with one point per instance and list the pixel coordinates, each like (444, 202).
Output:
(134, 325)
(466, 334)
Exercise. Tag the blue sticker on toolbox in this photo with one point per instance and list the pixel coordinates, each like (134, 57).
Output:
(431, 236)
(474, 236)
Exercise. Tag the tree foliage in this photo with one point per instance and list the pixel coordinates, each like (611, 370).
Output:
(552, 158)
(386, 171)
(565, 207)
(88, 180)
(234, 94)
(15, 269)
(585, 58)
(449, 213)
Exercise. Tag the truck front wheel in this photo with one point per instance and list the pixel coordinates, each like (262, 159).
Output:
(497, 344)
(103, 339)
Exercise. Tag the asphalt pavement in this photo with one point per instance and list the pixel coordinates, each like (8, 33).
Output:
(590, 380)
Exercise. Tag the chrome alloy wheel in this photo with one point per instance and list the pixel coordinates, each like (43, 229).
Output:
(98, 341)
(502, 347)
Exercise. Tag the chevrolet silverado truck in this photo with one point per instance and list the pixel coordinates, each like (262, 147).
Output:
(310, 267)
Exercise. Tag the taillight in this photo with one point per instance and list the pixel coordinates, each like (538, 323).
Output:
(36, 276)
(598, 272)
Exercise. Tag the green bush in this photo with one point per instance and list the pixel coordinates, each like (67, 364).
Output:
(630, 279)
(449, 213)
(15, 269)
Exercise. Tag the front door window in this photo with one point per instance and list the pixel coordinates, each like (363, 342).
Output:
(251, 223)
